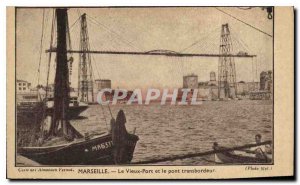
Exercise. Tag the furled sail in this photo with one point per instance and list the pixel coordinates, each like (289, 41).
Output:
(61, 88)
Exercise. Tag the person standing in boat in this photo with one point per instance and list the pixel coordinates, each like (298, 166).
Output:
(261, 151)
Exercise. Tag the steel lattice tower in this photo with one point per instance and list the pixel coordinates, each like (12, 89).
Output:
(85, 82)
(226, 67)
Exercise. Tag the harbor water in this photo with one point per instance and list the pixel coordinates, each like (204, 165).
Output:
(166, 130)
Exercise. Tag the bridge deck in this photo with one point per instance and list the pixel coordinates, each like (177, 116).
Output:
(171, 54)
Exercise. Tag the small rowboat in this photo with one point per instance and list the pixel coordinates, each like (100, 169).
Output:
(225, 155)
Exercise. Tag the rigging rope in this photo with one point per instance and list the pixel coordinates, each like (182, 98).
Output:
(101, 104)
(47, 81)
(92, 75)
(51, 45)
(41, 47)
(37, 125)
(257, 29)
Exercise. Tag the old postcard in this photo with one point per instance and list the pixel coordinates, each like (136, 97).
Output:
(150, 92)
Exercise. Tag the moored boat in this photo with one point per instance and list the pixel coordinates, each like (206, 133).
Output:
(58, 142)
(75, 107)
(92, 149)
(29, 109)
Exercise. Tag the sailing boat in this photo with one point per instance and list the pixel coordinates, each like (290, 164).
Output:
(63, 144)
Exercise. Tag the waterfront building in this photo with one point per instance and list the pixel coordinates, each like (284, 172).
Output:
(22, 86)
(253, 86)
(212, 79)
(207, 91)
(266, 81)
(190, 81)
(102, 84)
(242, 88)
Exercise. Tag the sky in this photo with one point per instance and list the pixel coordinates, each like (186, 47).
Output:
(146, 29)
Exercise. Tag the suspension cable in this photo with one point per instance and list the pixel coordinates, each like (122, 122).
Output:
(201, 39)
(71, 27)
(96, 22)
(101, 104)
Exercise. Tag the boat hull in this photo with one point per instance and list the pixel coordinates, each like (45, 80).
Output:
(96, 151)
(232, 158)
(30, 112)
(73, 112)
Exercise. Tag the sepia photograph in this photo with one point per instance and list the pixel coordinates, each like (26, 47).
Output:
(134, 85)
(143, 88)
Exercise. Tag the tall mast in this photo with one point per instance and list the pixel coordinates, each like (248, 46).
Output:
(61, 88)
